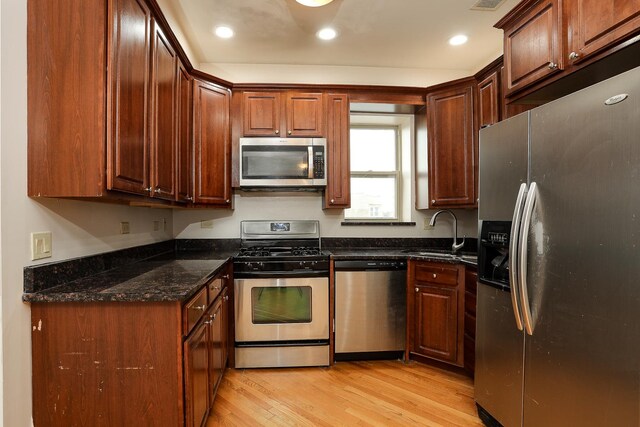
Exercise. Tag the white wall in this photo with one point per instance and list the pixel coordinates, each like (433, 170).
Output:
(79, 228)
(264, 205)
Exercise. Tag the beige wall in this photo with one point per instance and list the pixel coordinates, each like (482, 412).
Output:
(79, 228)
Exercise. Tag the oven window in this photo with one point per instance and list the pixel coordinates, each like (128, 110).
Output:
(281, 304)
(275, 162)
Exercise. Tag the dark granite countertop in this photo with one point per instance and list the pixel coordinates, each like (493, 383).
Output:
(174, 277)
(398, 254)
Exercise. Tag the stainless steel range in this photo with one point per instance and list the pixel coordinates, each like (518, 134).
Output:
(281, 295)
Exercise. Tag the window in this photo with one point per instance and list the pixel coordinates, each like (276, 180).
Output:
(375, 173)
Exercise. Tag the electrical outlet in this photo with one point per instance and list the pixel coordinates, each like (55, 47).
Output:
(427, 226)
(156, 225)
(124, 227)
(206, 223)
(40, 245)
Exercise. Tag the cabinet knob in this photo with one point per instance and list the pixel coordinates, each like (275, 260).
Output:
(289, 133)
(208, 322)
(433, 202)
(552, 65)
(226, 297)
(227, 201)
(333, 201)
(574, 55)
(417, 290)
(435, 275)
(157, 190)
(226, 276)
(277, 132)
(147, 189)
(189, 198)
(200, 307)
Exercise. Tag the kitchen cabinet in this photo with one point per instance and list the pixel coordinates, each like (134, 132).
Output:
(164, 78)
(470, 283)
(107, 363)
(452, 149)
(435, 310)
(489, 100)
(545, 38)
(184, 178)
(286, 114)
(212, 144)
(338, 190)
(533, 43)
(594, 25)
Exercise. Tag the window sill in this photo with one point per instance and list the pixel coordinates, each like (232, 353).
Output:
(383, 223)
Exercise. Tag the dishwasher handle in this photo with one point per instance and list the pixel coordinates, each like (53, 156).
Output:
(373, 265)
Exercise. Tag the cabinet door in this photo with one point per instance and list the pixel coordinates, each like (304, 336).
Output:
(128, 100)
(305, 114)
(338, 191)
(163, 118)
(597, 24)
(224, 328)
(212, 145)
(533, 46)
(261, 113)
(185, 143)
(452, 148)
(489, 100)
(215, 348)
(436, 322)
(471, 278)
(196, 375)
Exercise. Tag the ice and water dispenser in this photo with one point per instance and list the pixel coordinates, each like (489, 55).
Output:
(493, 253)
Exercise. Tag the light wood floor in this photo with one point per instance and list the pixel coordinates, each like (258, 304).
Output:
(380, 393)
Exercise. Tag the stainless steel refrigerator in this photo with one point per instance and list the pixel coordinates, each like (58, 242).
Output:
(558, 315)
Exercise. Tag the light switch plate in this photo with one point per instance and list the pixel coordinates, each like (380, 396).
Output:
(40, 245)
(206, 223)
(156, 225)
(124, 227)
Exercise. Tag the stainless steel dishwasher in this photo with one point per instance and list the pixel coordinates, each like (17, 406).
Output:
(370, 309)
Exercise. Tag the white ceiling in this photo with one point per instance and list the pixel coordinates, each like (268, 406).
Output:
(410, 34)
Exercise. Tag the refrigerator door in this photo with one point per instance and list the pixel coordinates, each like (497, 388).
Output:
(499, 343)
(582, 362)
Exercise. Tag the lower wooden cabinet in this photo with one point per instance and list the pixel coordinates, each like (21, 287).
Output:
(470, 283)
(435, 311)
(129, 363)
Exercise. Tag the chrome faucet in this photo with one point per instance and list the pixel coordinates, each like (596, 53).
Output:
(455, 246)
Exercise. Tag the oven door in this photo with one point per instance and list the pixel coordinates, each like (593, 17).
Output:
(281, 309)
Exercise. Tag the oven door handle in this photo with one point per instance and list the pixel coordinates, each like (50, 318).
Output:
(281, 274)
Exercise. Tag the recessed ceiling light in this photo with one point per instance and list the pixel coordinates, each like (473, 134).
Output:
(458, 40)
(224, 32)
(314, 3)
(327, 34)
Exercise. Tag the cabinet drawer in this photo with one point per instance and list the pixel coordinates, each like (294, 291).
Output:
(214, 286)
(437, 273)
(194, 310)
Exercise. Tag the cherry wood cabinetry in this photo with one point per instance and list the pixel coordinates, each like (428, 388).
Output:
(184, 178)
(338, 191)
(212, 144)
(164, 114)
(470, 283)
(435, 310)
(286, 114)
(489, 100)
(123, 363)
(451, 146)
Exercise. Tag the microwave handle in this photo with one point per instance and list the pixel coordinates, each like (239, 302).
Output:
(310, 162)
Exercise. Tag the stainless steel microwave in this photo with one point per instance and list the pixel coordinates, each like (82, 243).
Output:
(283, 162)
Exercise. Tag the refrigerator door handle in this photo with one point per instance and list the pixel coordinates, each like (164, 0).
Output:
(513, 254)
(523, 255)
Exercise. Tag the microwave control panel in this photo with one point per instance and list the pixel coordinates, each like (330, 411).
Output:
(318, 162)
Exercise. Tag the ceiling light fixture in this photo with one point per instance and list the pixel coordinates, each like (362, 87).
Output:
(224, 32)
(327, 34)
(314, 3)
(458, 40)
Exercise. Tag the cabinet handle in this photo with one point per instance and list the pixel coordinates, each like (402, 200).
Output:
(333, 201)
(147, 189)
(212, 316)
(574, 55)
(226, 276)
(216, 288)
(227, 201)
(200, 307)
(552, 65)
(157, 190)
(435, 275)
(417, 290)
(433, 202)
(189, 198)
(208, 322)
(289, 133)
(277, 132)
(226, 297)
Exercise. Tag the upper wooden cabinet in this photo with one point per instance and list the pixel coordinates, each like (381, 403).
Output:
(184, 175)
(489, 100)
(212, 144)
(338, 191)
(533, 42)
(595, 24)
(544, 38)
(164, 117)
(286, 114)
(451, 146)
